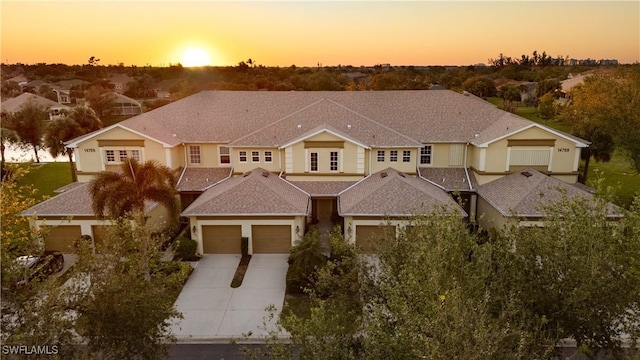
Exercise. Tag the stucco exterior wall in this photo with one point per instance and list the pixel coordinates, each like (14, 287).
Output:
(400, 165)
(208, 155)
(488, 217)
(91, 157)
(249, 165)
(350, 159)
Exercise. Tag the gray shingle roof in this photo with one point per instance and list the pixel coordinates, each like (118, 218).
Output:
(323, 188)
(258, 192)
(377, 118)
(74, 200)
(199, 179)
(15, 104)
(451, 179)
(392, 193)
(523, 194)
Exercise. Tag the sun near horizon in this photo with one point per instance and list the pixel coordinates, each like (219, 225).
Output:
(194, 57)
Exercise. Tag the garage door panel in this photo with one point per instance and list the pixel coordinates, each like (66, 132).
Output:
(271, 239)
(221, 239)
(62, 238)
(368, 235)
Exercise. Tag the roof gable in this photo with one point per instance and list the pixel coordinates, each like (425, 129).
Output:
(258, 192)
(392, 193)
(525, 193)
(509, 126)
(74, 143)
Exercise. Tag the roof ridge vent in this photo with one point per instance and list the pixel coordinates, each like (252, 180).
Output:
(526, 174)
(384, 174)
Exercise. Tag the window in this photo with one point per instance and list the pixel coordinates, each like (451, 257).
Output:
(314, 161)
(135, 154)
(393, 155)
(333, 161)
(242, 155)
(224, 155)
(111, 155)
(268, 156)
(406, 156)
(194, 154)
(122, 155)
(425, 155)
(255, 156)
(381, 155)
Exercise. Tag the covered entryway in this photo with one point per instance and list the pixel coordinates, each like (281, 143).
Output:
(62, 238)
(271, 239)
(367, 235)
(221, 239)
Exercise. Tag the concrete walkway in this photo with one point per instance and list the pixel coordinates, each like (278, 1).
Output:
(215, 312)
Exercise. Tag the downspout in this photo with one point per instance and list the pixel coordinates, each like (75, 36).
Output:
(429, 181)
(184, 169)
(466, 171)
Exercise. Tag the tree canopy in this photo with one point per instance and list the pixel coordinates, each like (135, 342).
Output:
(124, 193)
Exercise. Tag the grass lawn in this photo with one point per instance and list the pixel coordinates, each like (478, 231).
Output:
(47, 177)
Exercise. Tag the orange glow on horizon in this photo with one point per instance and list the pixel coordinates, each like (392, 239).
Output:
(308, 33)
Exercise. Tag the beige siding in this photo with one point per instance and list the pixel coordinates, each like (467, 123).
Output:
(250, 164)
(440, 155)
(208, 155)
(91, 157)
(488, 217)
(408, 167)
(456, 155)
(347, 158)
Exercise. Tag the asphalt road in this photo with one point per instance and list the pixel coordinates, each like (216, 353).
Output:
(215, 351)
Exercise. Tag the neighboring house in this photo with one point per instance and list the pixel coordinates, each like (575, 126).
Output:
(568, 84)
(521, 197)
(69, 215)
(252, 159)
(63, 90)
(56, 111)
(20, 80)
(126, 106)
(121, 82)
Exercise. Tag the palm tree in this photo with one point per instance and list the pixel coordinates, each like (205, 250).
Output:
(123, 193)
(80, 121)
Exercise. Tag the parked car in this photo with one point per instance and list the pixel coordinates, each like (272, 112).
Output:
(40, 266)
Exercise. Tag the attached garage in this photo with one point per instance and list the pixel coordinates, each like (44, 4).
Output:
(367, 235)
(100, 233)
(271, 239)
(221, 239)
(62, 238)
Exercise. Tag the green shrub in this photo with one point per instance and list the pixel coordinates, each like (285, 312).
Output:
(304, 259)
(185, 249)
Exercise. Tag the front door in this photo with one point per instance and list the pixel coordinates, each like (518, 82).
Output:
(324, 209)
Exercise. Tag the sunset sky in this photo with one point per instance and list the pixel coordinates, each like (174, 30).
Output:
(305, 33)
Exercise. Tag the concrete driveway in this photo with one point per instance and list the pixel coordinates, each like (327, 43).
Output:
(213, 311)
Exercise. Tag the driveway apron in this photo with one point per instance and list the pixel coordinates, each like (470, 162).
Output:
(213, 310)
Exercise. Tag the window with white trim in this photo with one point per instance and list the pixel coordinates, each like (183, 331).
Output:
(425, 155)
(268, 156)
(255, 156)
(381, 155)
(406, 156)
(314, 161)
(242, 156)
(333, 161)
(393, 156)
(225, 158)
(122, 155)
(194, 154)
(111, 155)
(135, 155)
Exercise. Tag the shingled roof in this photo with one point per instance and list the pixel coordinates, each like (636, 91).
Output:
(392, 193)
(323, 188)
(524, 194)
(377, 118)
(74, 200)
(258, 192)
(200, 179)
(17, 103)
(450, 179)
